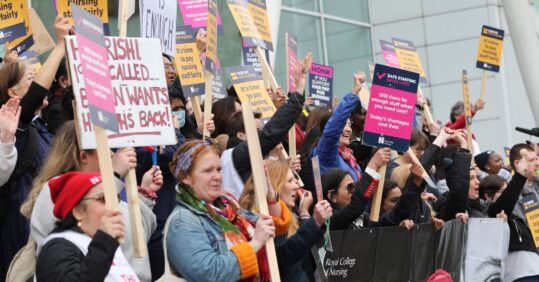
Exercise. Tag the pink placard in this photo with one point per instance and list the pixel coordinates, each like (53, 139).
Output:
(393, 110)
(195, 13)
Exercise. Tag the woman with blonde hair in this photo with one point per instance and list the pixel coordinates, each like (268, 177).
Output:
(292, 248)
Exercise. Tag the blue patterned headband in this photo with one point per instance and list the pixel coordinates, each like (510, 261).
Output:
(186, 158)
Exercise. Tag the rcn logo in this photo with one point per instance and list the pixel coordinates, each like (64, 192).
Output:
(2, 34)
(381, 139)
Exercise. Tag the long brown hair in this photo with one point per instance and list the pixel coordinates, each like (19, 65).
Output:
(278, 174)
(10, 75)
(63, 157)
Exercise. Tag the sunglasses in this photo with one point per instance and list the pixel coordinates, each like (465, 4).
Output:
(351, 187)
(100, 198)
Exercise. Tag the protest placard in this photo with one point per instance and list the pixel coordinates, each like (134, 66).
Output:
(391, 110)
(188, 63)
(390, 56)
(489, 56)
(259, 14)
(321, 85)
(94, 65)
(244, 21)
(11, 20)
(23, 43)
(195, 13)
(139, 89)
(409, 58)
(291, 42)
(98, 8)
(42, 39)
(531, 208)
(158, 20)
(250, 89)
(250, 58)
(94, 68)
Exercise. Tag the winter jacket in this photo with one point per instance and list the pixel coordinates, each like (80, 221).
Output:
(8, 159)
(328, 145)
(520, 235)
(292, 252)
(458, 180)
(62, 260)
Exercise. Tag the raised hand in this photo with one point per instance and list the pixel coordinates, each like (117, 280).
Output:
(380, 158)
(62, 29)
(124, 160)
(9, 119)
(264, 230)
(201, 40)
(113, 224)
(152, 179)
(359, 79)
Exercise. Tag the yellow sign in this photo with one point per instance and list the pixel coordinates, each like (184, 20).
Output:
(259, 14)
(98, 8)
(408, 58)
(188, 64)
(211, 42)
(26, 17)
(531, 208)
(489, 56)
(250, 88)
(244, 21)
(11, 20)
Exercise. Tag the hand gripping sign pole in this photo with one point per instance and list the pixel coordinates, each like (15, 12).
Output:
(257, 168)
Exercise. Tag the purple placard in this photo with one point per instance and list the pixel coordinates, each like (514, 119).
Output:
(292, 61)
(251, 59)
(390, 57)
(95, 67)
(195, 14)
(321, 85)
(390, 116)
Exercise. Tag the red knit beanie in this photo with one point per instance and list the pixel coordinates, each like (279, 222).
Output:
(68, 189)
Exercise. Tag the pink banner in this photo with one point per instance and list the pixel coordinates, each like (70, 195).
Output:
(292, 61)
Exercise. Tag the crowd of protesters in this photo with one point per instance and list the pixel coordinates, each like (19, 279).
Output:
(200, 218)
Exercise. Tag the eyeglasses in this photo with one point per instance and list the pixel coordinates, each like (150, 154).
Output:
(100, 198)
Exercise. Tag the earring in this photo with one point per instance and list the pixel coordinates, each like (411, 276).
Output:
(79, 223)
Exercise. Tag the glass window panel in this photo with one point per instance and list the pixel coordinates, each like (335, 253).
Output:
(349, 50)
(311, 5)
(309, 33)
(357, 10)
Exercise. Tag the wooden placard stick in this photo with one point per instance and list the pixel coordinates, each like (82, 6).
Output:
(208, 99)
(292, 141)
(267, 73)
(133, 201)
(122, 21)
(376, 201)
(287, 62)
(285, 156)
(484, 77)
(467, 112)
(135, 217)
(426, 108)
(257, 168)
(105, 167)
(195, 103)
